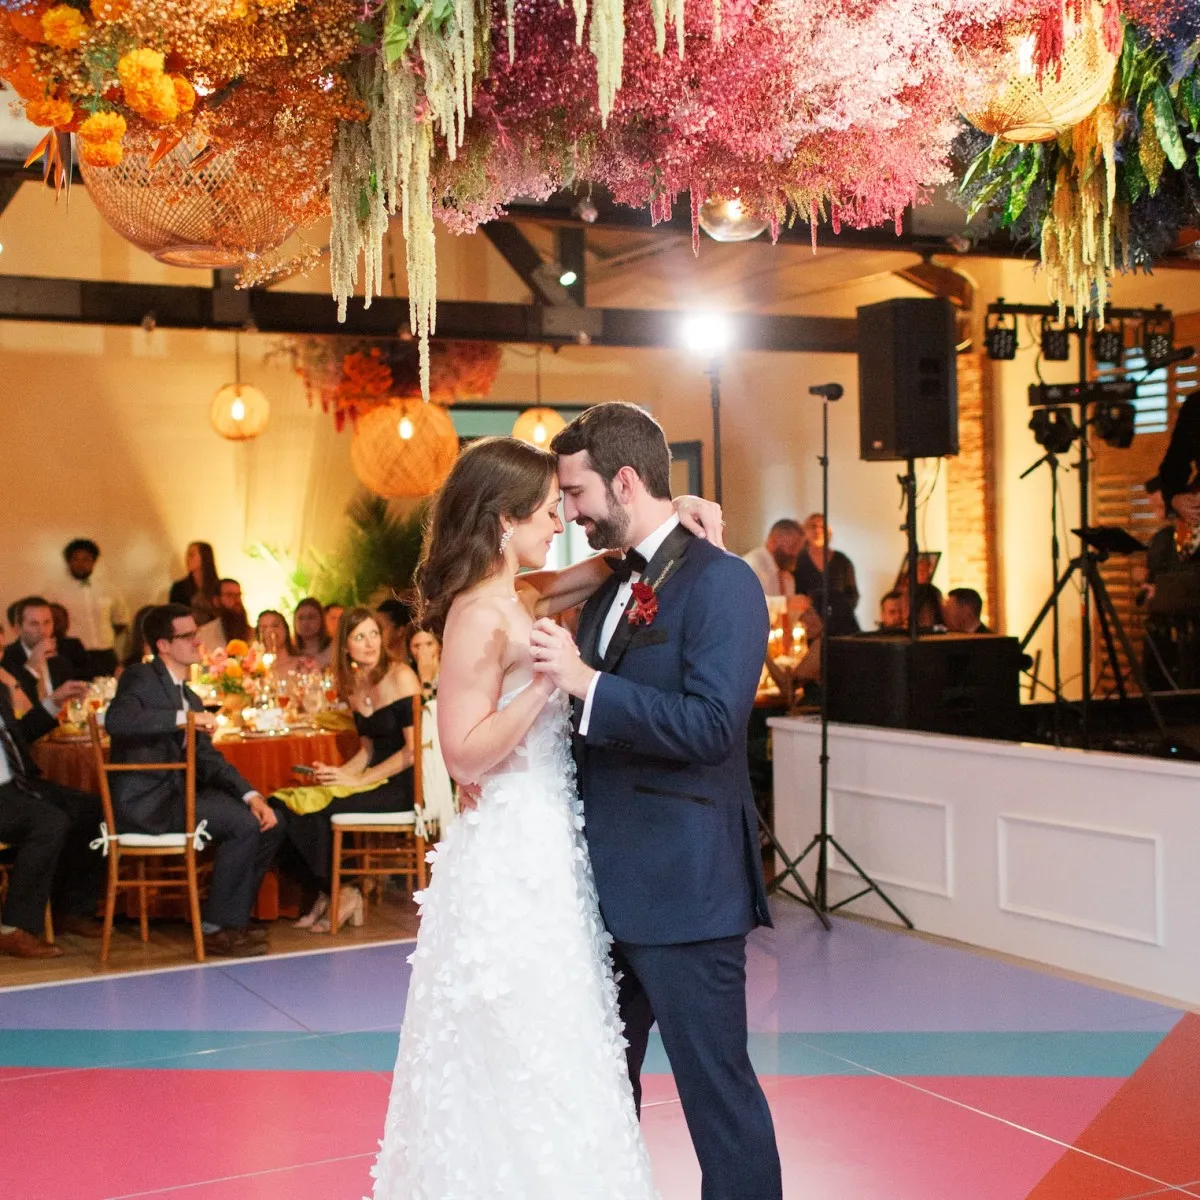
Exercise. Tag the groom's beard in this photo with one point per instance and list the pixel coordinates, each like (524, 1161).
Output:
(610, 531)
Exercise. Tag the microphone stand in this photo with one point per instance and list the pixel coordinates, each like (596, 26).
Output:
(818, 898)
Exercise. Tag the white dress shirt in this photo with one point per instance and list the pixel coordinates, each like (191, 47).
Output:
(92, 607)
(647, 548)
(775, 582)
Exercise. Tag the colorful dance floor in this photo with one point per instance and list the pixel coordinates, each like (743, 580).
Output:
(897, 1069)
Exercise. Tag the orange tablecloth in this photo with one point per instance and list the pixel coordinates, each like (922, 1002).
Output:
(266, 763)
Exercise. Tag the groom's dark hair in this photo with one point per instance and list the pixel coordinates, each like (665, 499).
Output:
(620, 435)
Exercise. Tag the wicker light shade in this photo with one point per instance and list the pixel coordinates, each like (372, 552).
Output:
(404, 449)
(1022, 110)
(203, 216)
(239, 412)
(537, 426)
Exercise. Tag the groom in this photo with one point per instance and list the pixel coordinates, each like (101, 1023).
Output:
(669, 655)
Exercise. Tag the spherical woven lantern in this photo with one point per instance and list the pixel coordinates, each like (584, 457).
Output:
(537, 426)
(1023, 110)
(404, 449)
(239, 412)
(727, 221)
(188, 216)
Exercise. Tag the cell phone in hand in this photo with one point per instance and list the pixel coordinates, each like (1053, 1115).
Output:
(304, 769)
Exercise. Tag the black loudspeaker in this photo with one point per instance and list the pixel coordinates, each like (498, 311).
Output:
(907, 380)
(966, 684)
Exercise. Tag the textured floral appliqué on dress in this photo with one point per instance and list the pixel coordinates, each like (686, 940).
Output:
(510, 1082)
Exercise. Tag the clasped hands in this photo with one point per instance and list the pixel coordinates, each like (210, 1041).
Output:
(556, 660)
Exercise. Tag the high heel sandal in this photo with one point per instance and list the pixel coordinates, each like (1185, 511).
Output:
(350, 911)
(314, 914)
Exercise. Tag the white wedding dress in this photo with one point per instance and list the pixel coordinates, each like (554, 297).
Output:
(510, 1082)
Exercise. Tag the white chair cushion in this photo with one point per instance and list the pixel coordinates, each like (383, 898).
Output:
(374, 818)
(144, 841)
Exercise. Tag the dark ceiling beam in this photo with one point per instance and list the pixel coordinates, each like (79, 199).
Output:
(571, 244)
(10, 185)
(87, 302)
(522, 256)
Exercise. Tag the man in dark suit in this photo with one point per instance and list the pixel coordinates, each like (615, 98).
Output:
(664, 680)
(145, 722)
(50, 827)
(33, 659)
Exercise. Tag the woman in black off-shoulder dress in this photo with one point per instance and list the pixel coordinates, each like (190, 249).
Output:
(377, 779)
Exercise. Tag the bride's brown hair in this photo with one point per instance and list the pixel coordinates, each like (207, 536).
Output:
(493, 478)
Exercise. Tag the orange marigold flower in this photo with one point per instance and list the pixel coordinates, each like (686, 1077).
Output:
(185, 94)
(158, 103)
(49, 112)
(137, 67)
(233, 669)
(103, 127)
(237, 648)
(102, 154)
(29, 22)
(64, 27)
(25, 81)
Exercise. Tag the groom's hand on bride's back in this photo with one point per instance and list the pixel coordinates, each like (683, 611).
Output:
(556, 658)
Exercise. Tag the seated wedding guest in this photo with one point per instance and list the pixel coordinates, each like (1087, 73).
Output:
(774, 562)
(97, 611)
(145, 723)
(394, 619)
(275, 637)
(313, 644)
(891, 611)
(929, 607)
(377, 779)
(425, 654)
(198, 588)
(70, 648)
(801, 679)
(333, 615)
(50, 827)
(230, 621)
(138, 650)
(818, 558)
(33, 659)
(963, 611)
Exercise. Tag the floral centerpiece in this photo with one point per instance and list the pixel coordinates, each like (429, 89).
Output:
(233, 674)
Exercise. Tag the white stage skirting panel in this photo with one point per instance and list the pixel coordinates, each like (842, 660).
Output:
(1086, 861)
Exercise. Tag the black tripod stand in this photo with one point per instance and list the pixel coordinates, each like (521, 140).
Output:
(1098, 543)
(822, 841)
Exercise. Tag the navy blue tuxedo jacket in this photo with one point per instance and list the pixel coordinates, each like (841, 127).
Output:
(670, 819)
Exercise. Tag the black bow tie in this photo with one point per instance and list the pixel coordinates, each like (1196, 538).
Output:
(624, 568)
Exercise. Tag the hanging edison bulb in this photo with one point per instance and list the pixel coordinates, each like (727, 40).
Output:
(537, 426)
(239, 411)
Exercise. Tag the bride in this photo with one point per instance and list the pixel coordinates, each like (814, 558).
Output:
(511, 1079)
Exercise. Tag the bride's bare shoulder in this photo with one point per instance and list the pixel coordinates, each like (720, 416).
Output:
(478, 613)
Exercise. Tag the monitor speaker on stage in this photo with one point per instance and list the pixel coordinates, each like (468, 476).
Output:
(907, 380)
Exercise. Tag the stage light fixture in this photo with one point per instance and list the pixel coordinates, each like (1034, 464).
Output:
(1158, 337)
(1108, 344)
(1000, 337)
(1054, 429)
(1056, 343)
(1115, 424)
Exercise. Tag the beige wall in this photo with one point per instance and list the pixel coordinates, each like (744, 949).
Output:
(109, 436)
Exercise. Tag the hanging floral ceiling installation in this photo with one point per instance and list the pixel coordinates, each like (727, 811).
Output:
(838, 110)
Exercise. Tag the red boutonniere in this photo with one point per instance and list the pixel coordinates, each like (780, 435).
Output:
(645, 604)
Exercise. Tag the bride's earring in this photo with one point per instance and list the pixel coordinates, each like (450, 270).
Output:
(505, 538)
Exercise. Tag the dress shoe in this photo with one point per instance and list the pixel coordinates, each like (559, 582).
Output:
(233, 943)
(255, 932)
(350, 911)
(79, 925)
(24, 945)
(314, 914)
